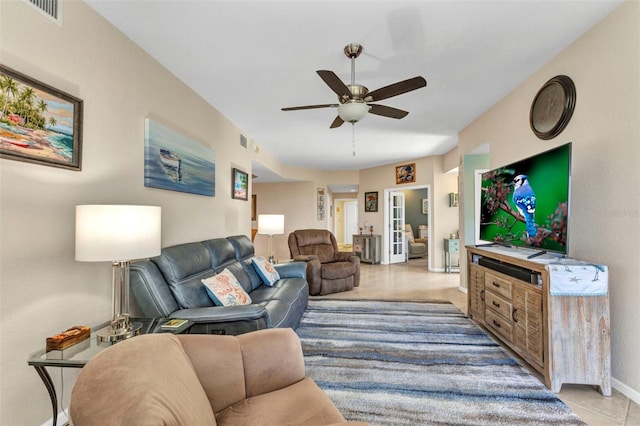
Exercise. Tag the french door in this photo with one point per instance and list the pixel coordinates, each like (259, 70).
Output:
(397, 247)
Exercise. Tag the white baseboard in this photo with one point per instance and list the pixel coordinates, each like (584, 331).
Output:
(62, 420)
(463, 289)
(627, 391)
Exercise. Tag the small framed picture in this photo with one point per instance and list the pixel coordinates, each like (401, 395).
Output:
(406, 173)
(320, 197)
(425, 206)
(240, 185)
(371, 201)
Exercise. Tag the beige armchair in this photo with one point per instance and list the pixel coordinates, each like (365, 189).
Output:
(328, 269)
(256, 378)
(416, 247)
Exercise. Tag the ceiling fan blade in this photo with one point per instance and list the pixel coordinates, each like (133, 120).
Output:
(310, 107)
(334, 82)
(337, 122)
(387, 111)
(397, 89)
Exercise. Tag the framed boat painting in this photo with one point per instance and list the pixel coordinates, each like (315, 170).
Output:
(39, 123)
(175, 162)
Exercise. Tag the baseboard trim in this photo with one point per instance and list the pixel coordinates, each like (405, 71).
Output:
(62, 420)
(627, 391)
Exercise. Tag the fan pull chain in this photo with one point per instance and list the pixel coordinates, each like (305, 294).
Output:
(353, 141)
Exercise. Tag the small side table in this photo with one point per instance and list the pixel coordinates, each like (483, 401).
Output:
(367, 247)
(451, 246)
(79, 354)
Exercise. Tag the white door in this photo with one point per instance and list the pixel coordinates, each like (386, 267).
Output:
(350, 220)
(396, 227)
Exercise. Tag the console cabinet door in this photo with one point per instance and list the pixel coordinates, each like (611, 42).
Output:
(527, 320)
(476, 293)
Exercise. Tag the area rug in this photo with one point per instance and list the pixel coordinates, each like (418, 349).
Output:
(419, 363)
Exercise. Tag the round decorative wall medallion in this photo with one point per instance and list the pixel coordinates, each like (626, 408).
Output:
(552, 107)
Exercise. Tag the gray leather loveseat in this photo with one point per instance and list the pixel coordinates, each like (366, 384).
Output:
(170, 285)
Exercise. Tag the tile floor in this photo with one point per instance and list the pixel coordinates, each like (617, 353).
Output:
(412, 280)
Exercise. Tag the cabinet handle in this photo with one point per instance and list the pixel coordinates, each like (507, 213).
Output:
(482, 295)
(513, 315)
(495, 284)
(496, 323)
(497, 305)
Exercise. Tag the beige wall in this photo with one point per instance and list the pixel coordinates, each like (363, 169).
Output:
(429, 171)
(605, 130)
(297, 201)
(43, 290)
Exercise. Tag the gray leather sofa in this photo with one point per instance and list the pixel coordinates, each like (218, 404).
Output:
(170, 285)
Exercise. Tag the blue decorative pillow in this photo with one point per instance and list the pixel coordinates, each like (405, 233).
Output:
(225, 290)
(266, 270)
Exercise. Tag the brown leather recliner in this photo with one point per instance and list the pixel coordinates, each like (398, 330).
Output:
(328, 270)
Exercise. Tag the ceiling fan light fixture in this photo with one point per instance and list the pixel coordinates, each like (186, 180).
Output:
(352, 112)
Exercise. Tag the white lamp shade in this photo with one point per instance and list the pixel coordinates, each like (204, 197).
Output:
(117, 232)
(352, 112)
(271, 224)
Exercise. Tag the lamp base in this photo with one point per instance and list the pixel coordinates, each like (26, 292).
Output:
(117, 332)
(272, 260)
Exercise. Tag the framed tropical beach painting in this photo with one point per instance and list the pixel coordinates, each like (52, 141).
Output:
(240, 184)
(39, 123)
(176, 162)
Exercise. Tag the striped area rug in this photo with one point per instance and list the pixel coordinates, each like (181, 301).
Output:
(419, 363)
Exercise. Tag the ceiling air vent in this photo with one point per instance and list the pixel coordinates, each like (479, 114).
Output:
(50, 8)
(243, 141)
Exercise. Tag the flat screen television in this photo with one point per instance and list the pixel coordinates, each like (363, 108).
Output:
(526, 204)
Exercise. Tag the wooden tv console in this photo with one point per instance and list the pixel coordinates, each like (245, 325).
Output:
(564, 338)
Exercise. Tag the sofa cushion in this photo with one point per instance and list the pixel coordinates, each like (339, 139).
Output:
(225, 290)
(183, 266)
(266, 270)
(242, 245)
(149, 362)
(302, 403)
(333, 271)
(221, 252)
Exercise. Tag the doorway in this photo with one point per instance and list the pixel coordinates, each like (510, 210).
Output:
(394, 240)
(346, 220)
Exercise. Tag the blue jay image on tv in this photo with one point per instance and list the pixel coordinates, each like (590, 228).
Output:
(525, 200)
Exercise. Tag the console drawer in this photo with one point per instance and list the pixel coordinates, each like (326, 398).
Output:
(498, 324)
(498, 304)
(497, 284)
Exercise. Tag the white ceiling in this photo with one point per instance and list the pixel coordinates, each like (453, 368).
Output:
(250, 58)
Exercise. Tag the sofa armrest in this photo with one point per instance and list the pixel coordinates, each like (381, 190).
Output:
(272, 360)
(305, 257)
(292, 270)
(314, 278)
(220, 314)
(345, 256)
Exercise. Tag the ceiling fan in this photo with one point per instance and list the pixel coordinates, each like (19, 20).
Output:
(355, 99)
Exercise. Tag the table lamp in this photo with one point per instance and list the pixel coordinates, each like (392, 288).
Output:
(118, 233)
(271, 224)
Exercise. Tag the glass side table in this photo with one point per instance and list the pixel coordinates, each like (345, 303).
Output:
(78, 355)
